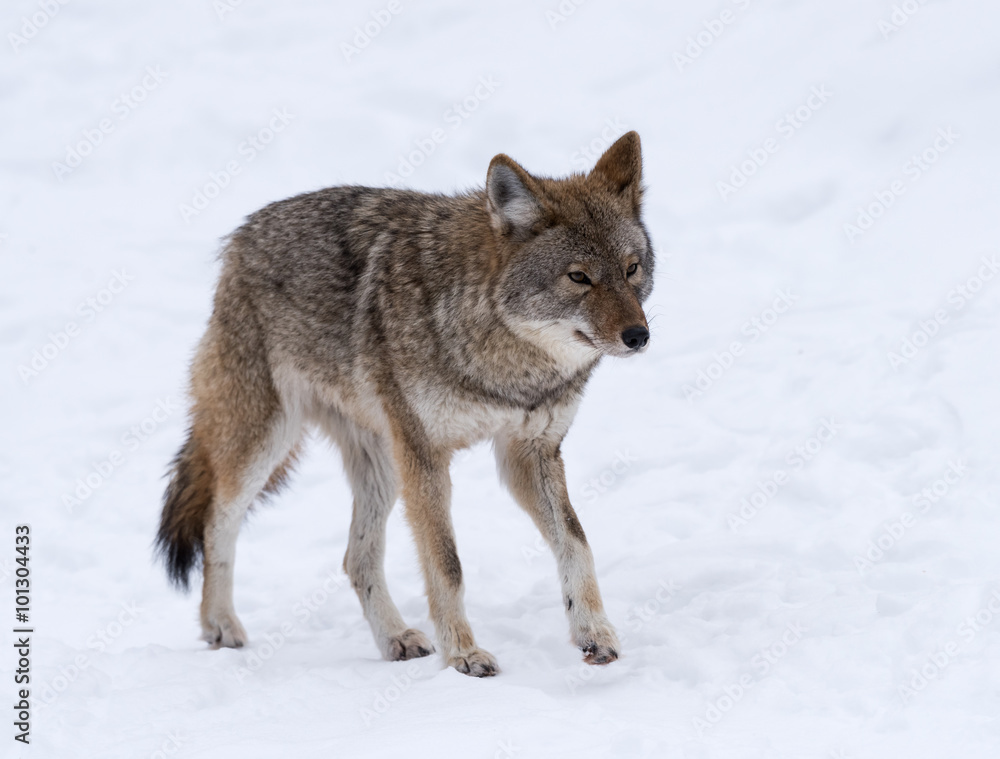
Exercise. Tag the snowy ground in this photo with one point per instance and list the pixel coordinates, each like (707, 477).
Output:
(752, 490)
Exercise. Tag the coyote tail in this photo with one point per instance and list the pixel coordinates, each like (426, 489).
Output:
(186, 503)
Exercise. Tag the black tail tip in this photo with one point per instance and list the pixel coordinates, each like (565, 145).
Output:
(186, 503)
(179, 557)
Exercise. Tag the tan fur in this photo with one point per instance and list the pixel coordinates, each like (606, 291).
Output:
(406, 327)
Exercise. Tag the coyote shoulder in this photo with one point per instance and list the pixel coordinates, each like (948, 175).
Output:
(407, 326)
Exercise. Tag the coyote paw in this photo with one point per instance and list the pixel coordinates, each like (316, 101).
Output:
(225, 631)
(599, 646)
(409, 644)
(594, 653)
(476, 663)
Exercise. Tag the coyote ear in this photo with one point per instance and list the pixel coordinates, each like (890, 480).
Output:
(512, 198)
(620, 169)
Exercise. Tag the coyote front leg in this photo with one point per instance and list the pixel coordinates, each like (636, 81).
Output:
(369, 467)
(426, 487)
(534, 472)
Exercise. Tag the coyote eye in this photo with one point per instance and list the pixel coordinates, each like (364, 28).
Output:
(632, 269)
(579, 277)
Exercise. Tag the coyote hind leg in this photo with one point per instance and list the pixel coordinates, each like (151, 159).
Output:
(246, 431)
(236, 489)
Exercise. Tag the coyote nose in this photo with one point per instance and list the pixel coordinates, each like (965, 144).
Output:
(635, 337)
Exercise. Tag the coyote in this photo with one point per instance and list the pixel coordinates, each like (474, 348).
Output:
(407, 326)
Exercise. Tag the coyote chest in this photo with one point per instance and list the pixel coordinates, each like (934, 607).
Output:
(458, 421)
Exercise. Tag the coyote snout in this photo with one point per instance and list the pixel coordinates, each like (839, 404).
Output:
(406, 326)
(616, 323)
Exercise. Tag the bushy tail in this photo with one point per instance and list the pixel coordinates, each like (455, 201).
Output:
(186, 503)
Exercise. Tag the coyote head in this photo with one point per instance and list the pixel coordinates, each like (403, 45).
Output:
(576, 261)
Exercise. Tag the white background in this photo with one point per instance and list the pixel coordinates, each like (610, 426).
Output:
(702, 601)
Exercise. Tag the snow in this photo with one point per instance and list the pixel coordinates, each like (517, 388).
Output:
(761, 635)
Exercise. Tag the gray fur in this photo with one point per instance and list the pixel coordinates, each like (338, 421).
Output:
(407, 326)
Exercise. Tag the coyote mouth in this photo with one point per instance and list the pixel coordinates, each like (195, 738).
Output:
(582, 336)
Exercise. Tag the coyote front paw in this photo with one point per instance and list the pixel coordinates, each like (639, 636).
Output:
(410, 644)
(599, 646)
(477, 663)
(594, 653)
(224, 631)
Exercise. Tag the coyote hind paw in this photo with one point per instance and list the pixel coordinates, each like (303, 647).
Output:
(224, 632)
(410, 644)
